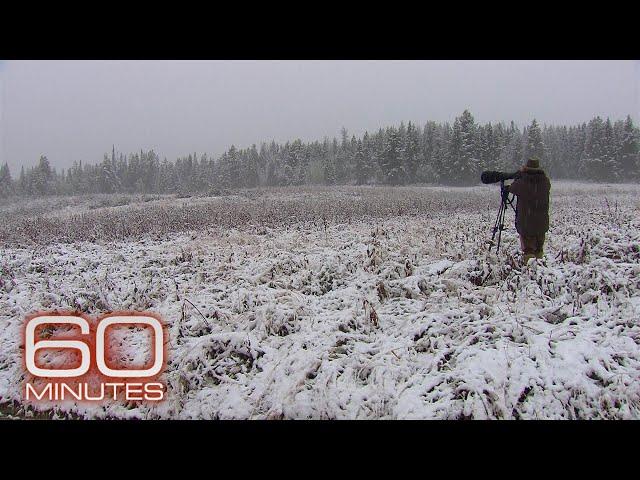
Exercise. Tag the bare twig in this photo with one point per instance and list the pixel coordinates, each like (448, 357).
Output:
(203, 317)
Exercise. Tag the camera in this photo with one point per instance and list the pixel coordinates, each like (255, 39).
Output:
(490, 176)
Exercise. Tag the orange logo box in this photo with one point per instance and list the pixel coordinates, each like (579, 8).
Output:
(90, 378)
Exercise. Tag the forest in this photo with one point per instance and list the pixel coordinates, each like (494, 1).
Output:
(436, 153)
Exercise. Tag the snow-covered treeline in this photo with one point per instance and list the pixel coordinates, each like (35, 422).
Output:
(600, 150)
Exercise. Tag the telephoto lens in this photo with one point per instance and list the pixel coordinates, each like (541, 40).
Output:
(491, 176)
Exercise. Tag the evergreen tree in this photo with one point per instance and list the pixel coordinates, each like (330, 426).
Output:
(437, 153)
(390, 165)
(368, 171)
(535, 145)
(107, 180)
(463, 166)
(23, 188)
(611, 170)
(360, 170)
(330, 162)
(593, 164)
(628, 151)
(6, 182)
(441, 164)
(41, 178)
(411, 154)
(252, 167)
(429, 146)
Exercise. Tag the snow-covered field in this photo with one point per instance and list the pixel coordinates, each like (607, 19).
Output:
(355, 303)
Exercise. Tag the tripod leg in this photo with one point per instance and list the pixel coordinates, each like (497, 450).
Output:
(503, 208)
(496, 228)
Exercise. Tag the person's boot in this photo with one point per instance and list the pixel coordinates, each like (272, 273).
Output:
(541, 259)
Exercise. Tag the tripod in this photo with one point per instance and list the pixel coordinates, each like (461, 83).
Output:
(498, 226)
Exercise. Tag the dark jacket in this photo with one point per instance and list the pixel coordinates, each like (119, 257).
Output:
(532, 188)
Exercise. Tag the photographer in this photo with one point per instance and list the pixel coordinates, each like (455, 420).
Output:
(532, 187)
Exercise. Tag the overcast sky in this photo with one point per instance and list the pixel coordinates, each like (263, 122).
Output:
(75, 110)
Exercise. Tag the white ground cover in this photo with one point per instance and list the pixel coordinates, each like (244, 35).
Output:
(391, 316)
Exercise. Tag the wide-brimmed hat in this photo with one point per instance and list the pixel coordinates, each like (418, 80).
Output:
(533, 164)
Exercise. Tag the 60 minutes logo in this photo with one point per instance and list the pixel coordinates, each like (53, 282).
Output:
(91, 378)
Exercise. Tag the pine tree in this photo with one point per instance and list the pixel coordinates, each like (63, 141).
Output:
(535, 147)
(6, 182)
(41, 178)
(352, 167)
(611, 170)
(23, 188)
(360, 169)
(441, 154)
(411, 153)
(252, 167)
(491, 148)
(628, 151)
(517, 150)
(463, 165)
(368, 167)
(330, 153)
(390, 165)
(342, 159)
(271, 164)
(428, 147)
(107, 181)
(593, 166)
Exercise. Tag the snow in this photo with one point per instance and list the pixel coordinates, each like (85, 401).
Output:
(381, 315)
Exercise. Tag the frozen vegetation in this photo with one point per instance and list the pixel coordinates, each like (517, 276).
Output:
(343, 303)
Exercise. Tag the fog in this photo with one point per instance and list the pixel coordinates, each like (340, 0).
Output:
(76, 110)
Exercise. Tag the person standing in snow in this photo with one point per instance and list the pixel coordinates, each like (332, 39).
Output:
(532, 187)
